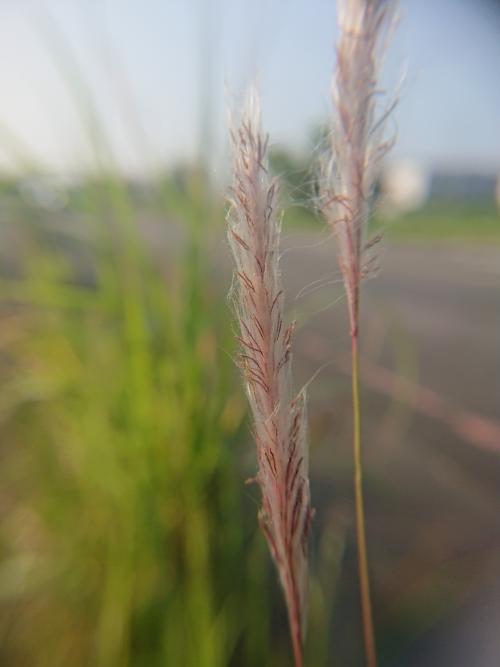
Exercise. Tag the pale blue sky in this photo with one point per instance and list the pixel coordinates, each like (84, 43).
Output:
(157, 67)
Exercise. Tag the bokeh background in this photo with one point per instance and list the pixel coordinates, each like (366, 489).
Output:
(127, 535)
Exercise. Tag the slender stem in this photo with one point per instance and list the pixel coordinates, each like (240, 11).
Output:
(297, 647)
(364, 580)
(294, 614)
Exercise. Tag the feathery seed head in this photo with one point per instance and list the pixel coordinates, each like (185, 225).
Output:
(279, 420)
(356, 137)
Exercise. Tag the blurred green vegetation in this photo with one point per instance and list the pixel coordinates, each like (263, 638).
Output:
(127, 535)
(436, 221)
(124, 539)
(451, 221)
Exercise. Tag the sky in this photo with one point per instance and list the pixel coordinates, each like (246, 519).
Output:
(161, 75)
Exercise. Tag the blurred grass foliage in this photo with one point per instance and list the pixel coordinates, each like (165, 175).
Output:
(469, 221)
(440, 221)
(127, 536)
(123, 534)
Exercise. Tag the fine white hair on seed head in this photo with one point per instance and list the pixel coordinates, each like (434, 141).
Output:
(279, 420)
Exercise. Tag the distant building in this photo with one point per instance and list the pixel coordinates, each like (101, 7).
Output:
(463, 185)
(403, 187)
(406, 186)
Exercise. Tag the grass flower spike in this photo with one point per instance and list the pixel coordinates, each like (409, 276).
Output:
(356, 137)
(347, 182)
(279, 420)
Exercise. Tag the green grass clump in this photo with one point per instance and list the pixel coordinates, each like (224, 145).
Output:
(123, 535)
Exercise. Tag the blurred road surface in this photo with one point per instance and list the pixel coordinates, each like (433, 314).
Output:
(431, 348)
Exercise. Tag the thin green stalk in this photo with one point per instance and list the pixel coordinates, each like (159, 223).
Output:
(364, 579)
